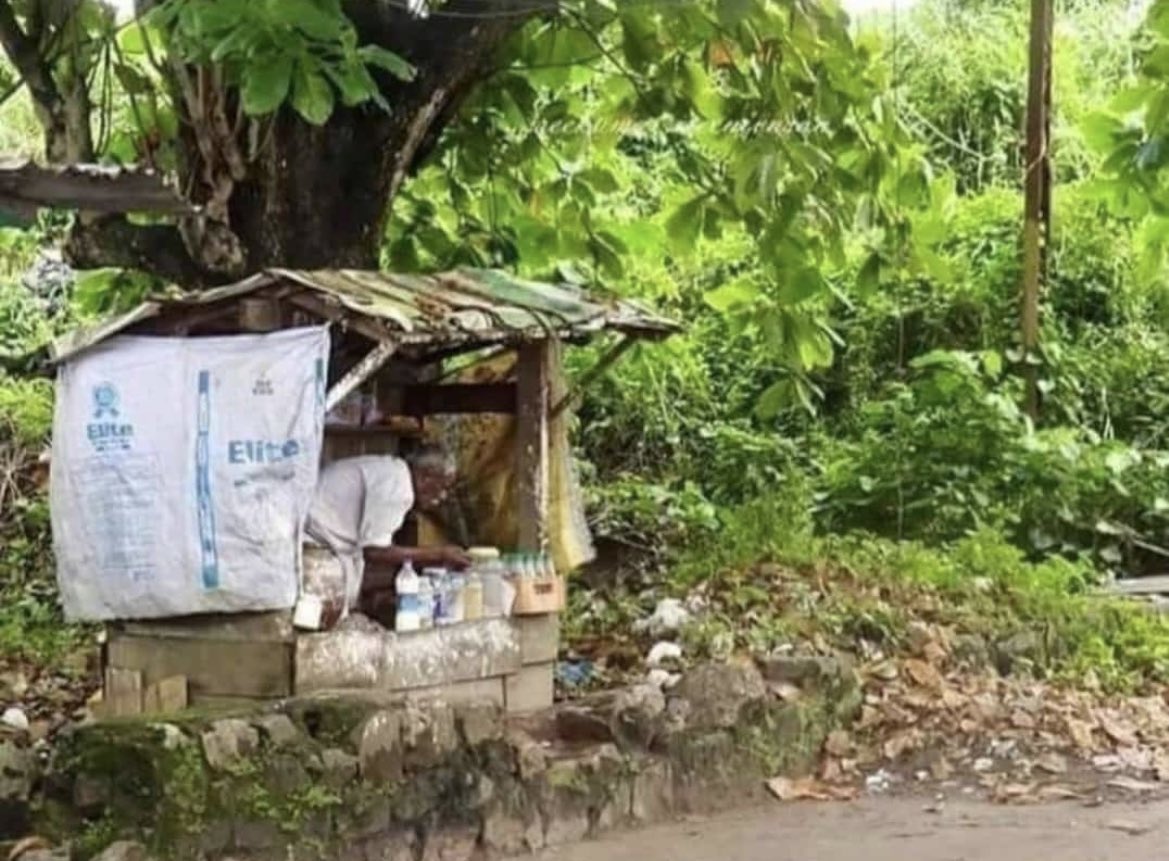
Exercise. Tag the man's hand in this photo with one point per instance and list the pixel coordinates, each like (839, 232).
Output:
(454, 557)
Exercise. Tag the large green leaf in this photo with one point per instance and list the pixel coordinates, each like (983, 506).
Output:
(312, 97)
(684, 225)
(375, 55)
(266, 85)
(731, 295)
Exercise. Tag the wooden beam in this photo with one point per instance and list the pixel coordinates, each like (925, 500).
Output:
(325, 311)
(531, 441)
(610, 358)
(359, 373)
(459, 398)
(1037, 194)
(260, 314)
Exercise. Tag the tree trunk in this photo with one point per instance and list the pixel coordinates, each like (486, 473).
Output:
(313, 197)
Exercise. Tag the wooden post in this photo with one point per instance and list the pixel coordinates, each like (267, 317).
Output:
(1037, 194)
(531, 439)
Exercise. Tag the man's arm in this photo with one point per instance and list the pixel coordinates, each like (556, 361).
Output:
(395, 557)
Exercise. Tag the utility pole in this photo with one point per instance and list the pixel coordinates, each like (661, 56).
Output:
(1037, 194)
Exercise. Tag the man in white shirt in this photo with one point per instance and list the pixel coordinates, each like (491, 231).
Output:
(361, 502)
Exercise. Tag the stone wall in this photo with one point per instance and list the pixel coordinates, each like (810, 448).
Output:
(365, 778)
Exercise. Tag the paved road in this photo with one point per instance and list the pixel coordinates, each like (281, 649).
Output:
(890, 829)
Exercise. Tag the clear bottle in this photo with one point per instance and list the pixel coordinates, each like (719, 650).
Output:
(492, 575)
(438, 579)
(473, 597)
(457, 584)
(406, 584)
(425, 602)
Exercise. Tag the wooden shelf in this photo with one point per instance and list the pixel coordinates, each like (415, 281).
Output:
(371, 430)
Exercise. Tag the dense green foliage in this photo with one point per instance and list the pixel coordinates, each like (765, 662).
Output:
(834, 212)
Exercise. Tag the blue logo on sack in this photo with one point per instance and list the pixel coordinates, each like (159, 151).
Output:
(105, 433)
(105, 401)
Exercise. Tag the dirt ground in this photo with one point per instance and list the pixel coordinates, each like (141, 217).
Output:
(897, 829)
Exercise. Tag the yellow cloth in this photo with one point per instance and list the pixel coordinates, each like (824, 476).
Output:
(484, 447)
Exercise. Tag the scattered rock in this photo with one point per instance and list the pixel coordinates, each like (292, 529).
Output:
(1129, 784)
(662, 652)
(172, 736)
(123, 850)
(278, 729)
(228, 741)
(1129, 827)
(636, 718)
(800, 670)
(37, 849)
(717, 692)
(1052, 763)
(878, 782)
(15, 718)
(17, 770)
(662, 679)
(1024, 648)
(13, 685)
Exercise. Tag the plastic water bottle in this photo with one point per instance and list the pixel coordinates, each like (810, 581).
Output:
(473, 597)
(442, 596)
(407, 586)
(425, 602)
(458, 605)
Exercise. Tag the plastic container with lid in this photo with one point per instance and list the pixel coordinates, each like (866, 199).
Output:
(487, 565)
(473, 598)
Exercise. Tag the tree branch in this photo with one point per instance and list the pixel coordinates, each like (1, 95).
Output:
(33, 68)
(116, 243)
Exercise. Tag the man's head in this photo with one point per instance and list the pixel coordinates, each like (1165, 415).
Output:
(433, 472)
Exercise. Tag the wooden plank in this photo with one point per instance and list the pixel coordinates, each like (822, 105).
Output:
(1156, 585)
(610, 358)
(334, 312)
(359, 373)
(212, 667)
(166, 696)
(459, 398)
(531, 441)
(248, 627)
(123, 692)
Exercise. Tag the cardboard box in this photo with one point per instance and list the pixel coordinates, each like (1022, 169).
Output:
(538, 595)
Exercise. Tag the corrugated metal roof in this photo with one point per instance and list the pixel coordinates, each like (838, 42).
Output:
(464, 306)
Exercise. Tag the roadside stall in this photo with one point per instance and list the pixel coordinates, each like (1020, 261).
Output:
(189, 439)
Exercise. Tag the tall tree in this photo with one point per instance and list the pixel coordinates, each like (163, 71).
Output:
(508, 132)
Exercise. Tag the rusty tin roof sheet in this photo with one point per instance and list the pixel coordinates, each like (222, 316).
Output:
(464, 306)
